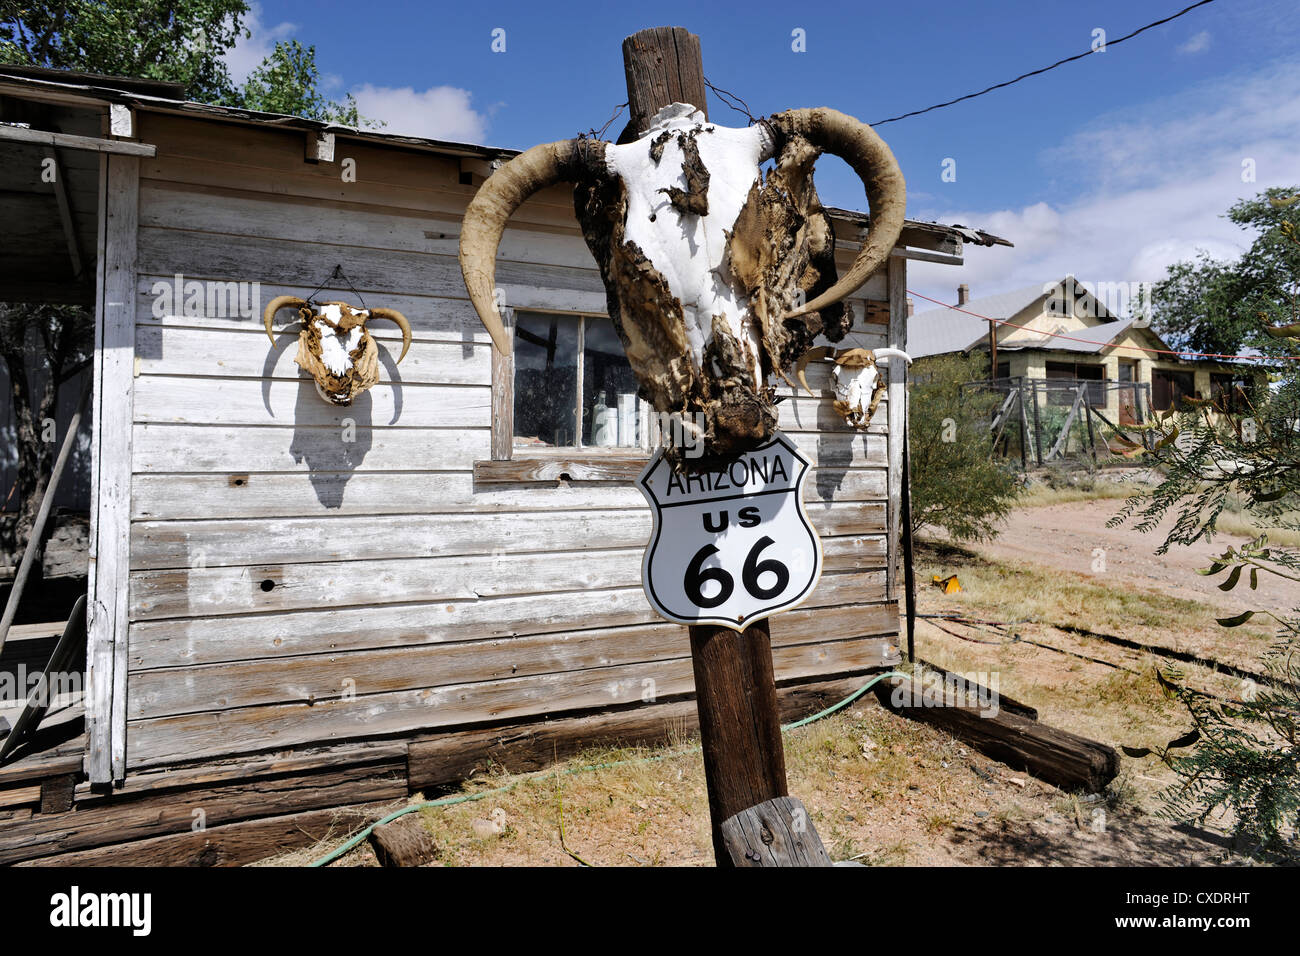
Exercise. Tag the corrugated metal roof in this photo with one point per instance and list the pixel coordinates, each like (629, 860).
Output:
(936, 331)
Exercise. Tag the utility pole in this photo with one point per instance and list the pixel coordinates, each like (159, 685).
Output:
(735, 685)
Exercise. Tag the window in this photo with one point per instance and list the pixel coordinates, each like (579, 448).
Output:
(1169, 388)
(573, 386)
(1070, 374)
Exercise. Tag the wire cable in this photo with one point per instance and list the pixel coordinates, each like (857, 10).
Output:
(1025, 76)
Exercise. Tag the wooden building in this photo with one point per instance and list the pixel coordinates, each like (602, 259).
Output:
(368, 600)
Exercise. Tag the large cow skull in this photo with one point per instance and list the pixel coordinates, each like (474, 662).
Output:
(334, 346)
(717, 278)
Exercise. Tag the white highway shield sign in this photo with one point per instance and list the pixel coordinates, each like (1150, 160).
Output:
(732, 544)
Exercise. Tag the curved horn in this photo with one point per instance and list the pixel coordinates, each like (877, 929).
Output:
(812, 355)
(494, 203)
(274, 306)
(400, 321)
(893, 353)
(857, 144)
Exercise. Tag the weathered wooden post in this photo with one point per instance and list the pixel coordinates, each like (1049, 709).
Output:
(735, 684)
(717, 278)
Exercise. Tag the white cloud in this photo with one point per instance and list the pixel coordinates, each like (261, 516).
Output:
(440, 112)
(248, 52)
(1197, 44)
(1155, 183)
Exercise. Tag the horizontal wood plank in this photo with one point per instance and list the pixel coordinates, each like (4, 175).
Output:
(240, 449)
(274, 495)
(186, 641)
(226, 353)
(158, 740)
(258, 542)
(329, 676)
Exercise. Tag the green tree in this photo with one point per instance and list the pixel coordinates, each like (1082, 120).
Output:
(957, 484)
(288, 82)
(1206, 305)
(179, 41)
(1244, 756)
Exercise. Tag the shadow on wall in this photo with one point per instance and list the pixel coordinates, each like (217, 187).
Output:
(333, 440)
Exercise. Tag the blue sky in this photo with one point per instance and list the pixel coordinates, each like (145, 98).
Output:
(1109, 168)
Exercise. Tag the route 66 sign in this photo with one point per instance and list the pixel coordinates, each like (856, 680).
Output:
(731, 544)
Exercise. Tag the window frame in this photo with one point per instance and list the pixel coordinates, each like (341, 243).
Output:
(512, 462)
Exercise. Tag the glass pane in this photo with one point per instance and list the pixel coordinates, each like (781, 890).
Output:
(546, 379)
(611, 410)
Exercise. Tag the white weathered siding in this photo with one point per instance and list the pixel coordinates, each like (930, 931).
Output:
(288, 587)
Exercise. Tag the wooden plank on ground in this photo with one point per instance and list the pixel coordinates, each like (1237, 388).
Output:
(235, 844)
(124, 820)
(1058, 757)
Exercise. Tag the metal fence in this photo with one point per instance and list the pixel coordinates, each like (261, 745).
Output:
(1039, 421)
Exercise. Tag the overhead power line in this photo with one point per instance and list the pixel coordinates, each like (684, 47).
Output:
(1025, 76)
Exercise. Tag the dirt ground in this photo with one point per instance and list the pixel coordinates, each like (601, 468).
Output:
(883, 790)
(1067, 536)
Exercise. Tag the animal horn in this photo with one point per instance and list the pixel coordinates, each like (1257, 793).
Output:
(817, 354)
(274, 306)
(494, 203)
(857, 144)
(893, 353)
(400, 321)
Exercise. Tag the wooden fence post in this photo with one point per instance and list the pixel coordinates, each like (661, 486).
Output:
(735, 687)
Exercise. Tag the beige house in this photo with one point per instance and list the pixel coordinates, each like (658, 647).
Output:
(1064, 331)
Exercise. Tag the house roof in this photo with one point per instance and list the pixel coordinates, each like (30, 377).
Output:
(166, 97)
(945, 329)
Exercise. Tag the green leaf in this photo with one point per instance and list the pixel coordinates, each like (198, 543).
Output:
(1214, 568)
(1237, 621)
(1233, 578)
(1136, 751)
(1254, 578)
(1186, 740)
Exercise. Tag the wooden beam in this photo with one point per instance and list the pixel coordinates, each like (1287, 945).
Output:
(111, 431)
(663, 65)
(17, 134)
(1058, 757)
(121, 120)
(65, 212)
(897, 412)
(917, 254)
(319, 147)
(775, 833)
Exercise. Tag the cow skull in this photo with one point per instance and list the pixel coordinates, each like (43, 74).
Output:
(717, 277)
(334, 346)
(858, 385)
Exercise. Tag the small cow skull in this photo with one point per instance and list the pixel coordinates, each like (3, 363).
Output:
(334, 346)
(717, 278)
(858, 385)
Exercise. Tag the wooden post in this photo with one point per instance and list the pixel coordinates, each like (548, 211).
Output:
(663, 65)
(1038, 428)
(993, 350)
(735, 686)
